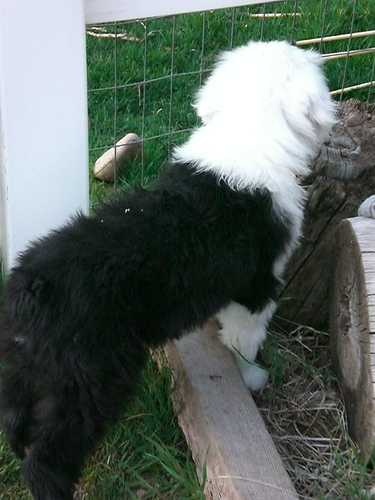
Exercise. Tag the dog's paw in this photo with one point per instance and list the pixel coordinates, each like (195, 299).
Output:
(254, 376)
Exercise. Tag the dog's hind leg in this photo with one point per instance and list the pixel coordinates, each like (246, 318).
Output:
(44, 429)
(15, 388)
(243, 333)
(15, 404)
(54, 460)
(72, 405)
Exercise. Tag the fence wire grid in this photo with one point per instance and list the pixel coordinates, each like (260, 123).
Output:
(142, 75)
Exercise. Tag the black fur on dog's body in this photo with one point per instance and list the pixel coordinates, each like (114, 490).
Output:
(84, 304)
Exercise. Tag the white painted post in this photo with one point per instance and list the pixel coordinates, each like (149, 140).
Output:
(43, 119)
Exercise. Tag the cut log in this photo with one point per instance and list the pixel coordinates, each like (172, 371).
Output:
(226, 434)
(352, 324)
(343, 176)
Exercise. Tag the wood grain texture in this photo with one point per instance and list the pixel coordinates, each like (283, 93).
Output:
(353, 327)
(339, 183)
(224, 429)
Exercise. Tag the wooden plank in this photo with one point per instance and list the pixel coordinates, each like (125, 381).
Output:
(222, 425)
(43, 118)
(102, 11)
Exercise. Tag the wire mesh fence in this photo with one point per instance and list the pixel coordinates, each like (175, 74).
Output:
(143, 74)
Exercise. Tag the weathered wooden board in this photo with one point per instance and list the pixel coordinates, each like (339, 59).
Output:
(225, 431)
(353, 326)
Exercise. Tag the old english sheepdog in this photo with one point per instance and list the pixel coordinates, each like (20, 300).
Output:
(211, 237)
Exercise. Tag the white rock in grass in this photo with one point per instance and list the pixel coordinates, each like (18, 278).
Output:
(114, 159)
(367, 208)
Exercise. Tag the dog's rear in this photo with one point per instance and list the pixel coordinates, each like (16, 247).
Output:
(56, 396)
(38, 413)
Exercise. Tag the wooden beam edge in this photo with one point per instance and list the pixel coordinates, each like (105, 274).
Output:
(99, 11)
(226, 434)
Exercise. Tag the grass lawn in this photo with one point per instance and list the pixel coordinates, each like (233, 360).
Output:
(145, 455)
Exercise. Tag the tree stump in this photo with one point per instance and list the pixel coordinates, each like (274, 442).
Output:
(353, 327)
(343, 176)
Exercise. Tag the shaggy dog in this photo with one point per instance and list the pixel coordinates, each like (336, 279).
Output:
(84, 304)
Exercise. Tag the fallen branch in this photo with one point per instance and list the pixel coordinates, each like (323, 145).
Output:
(333, 38)
(348, 53)
(275, 15)
(353, 87)
(101, 32)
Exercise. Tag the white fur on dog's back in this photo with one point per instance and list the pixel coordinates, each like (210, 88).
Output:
(266, 110)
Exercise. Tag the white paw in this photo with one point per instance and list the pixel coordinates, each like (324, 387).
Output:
(254, 377)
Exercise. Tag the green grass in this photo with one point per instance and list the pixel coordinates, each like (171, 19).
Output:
(145, 455)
